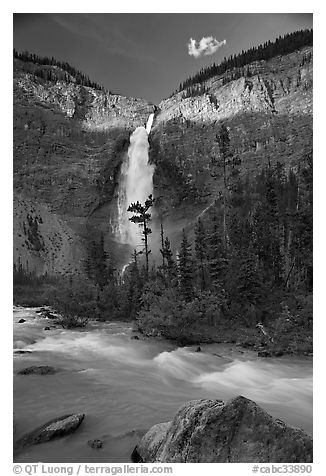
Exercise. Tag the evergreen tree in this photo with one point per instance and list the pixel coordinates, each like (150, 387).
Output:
(302, 243)
(134, 284)
(267, 233)
(98, 268)
(142, 218)
(186, 272)
(216, 254)
(170, 263)
(200, 253)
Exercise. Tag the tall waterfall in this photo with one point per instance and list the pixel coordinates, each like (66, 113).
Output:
(136, 182)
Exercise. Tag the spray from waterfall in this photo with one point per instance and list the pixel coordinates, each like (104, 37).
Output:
(136, 183)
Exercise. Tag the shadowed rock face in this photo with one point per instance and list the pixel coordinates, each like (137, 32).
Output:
(211, 431)
(55, 428)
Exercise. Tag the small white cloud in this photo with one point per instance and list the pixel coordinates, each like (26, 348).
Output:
(206, 46)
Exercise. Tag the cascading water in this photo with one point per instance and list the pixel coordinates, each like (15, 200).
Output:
(136, 182)
(125, 385)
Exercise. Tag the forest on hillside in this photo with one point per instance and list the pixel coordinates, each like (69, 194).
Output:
(250, 263)
(49, 74)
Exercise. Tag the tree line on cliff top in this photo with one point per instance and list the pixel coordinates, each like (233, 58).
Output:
(282, 45)
(50, 75)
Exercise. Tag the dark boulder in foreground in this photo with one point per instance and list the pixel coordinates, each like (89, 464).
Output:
(96, 444)
(38, 370)
(21, 321)
(211, 431)
(55, 428)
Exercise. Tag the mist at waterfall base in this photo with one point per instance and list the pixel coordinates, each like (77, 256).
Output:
(124, 386)
(136, 184)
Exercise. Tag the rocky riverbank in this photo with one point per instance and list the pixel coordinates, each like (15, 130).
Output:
(291, 341)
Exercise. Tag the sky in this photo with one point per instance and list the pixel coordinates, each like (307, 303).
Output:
(147, 54)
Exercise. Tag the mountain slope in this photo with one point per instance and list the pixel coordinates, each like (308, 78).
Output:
(70, 139)
(268, 113)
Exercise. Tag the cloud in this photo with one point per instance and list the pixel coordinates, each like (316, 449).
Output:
(208, 45)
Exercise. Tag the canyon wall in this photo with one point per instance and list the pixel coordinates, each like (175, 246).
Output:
(70, 140)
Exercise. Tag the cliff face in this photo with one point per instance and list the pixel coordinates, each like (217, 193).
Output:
(69, 142)
(281, 85)
(268, 113)
(43, 242)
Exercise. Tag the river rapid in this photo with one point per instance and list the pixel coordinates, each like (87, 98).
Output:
(124, 385)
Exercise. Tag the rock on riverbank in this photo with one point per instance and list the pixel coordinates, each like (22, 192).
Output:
(212, 431)
(55, 428)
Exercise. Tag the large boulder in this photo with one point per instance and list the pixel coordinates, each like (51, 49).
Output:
(211, 431)
(55, 428)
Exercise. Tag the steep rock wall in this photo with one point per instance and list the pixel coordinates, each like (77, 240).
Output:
(69, 142)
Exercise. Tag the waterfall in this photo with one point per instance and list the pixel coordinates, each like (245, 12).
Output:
(136, 183)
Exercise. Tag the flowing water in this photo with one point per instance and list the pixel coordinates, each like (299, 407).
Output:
(135, 184)
(124, 385)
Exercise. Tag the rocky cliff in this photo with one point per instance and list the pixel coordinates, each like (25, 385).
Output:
(69, 142)
(269, 115)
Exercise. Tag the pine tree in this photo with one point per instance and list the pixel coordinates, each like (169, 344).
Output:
(186, 272)
(97, 267)
(201, 252)
(142, 218)
(216, 254)
(267, 232)
(171, 269)
(302, 244)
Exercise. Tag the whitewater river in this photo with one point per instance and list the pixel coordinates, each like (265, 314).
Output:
(124, 386)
